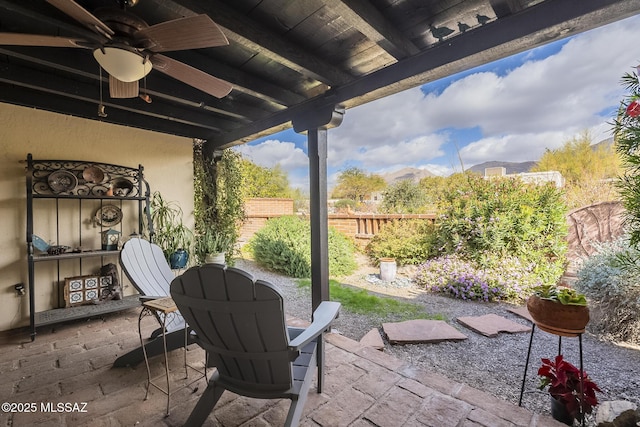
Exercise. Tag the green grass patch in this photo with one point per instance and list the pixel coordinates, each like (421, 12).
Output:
(362, 302)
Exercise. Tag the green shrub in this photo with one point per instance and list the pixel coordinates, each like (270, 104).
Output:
(284, 245)
(409, 242)
(506, 279)
(505, 217)
(611, 281)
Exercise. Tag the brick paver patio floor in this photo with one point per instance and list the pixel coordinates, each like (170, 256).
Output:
(363, 387)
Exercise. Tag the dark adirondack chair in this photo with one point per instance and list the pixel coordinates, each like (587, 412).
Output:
(147, 269)
(240, 322)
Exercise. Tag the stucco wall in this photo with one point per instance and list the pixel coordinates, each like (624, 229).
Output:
(167, 162)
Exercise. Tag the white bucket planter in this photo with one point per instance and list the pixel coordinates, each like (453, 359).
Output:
(387, 269)
(217, 258)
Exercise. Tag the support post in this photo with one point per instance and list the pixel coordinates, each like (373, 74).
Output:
(316, 125)
(317, 139)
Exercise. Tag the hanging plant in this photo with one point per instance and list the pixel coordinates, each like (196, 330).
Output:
(218, 204)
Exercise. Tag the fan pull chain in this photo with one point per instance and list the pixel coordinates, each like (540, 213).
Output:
(145, 96)
(101, 112)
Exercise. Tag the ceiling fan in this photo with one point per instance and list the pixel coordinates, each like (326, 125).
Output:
(127, 48)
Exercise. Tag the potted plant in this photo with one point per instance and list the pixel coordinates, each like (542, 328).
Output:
(211, 246)
(170, 233)
(572, 391)
(559, 310)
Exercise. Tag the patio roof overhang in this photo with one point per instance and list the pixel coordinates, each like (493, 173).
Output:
(291, 63)
(285, 58)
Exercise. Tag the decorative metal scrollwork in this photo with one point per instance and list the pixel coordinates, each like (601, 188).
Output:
(89, 179)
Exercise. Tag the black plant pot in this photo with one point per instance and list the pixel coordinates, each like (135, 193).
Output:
(559, 412)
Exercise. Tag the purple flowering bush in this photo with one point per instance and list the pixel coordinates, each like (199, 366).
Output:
(492, 279)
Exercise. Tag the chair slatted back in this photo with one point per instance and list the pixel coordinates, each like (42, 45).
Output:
(240, 322)
(148, 270)
(146, 267)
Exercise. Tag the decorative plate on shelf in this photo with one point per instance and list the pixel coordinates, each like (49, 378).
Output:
(108, 216)
(93, 174)
(62, 181)
(122, 187)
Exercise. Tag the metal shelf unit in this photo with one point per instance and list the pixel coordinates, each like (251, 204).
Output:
(40, 187)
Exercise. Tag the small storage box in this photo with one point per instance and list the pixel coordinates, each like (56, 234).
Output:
(82, 290)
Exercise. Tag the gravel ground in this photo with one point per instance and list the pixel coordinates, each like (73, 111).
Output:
(494, 365)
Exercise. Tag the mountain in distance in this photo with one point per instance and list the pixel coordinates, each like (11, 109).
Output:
(511, 167)
(520, 167)
(414, 174)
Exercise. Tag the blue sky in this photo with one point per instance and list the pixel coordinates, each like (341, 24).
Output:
(509, 110)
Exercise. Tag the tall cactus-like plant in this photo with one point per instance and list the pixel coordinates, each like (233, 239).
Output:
(627, 139)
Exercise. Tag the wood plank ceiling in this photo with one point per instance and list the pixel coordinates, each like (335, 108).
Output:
(285, 57)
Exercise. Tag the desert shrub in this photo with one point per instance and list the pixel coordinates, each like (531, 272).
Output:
(409, 242)
(611, 281)
(505, 217)
(505, 278)
(284, 245)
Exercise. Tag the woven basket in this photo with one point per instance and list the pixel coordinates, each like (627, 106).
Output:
(556, 318)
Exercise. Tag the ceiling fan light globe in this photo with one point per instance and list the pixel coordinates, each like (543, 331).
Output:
(124, 65)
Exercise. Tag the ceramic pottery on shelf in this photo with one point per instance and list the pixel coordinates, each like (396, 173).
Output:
(179, 259)
(559, 319)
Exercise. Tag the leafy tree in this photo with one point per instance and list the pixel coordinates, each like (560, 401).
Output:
(356, 184)
(404, 196)
(588, 170)
(264, 182)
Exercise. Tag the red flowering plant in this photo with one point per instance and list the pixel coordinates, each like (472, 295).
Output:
(564, 384)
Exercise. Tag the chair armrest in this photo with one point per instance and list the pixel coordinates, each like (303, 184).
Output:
(326, 312)
(144, 298)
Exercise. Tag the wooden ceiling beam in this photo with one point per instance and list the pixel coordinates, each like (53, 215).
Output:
(364, 17)
(537, 25)
(75, 90)
(254, 36)
(157, 86)
(31, 98)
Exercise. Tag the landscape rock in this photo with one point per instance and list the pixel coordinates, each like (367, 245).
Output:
(490, 325)
(617, 413)
(373, 339)
(421, 331)
(521, 311)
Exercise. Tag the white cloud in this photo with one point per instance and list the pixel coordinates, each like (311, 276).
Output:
(514, 116)
(272, 152)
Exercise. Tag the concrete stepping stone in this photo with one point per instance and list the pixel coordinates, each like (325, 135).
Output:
(373, 339)
(490, 325)
(522, 312)
(421, 331)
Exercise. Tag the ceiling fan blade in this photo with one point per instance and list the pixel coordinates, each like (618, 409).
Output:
(16, 39)
(191, 76)
(120, 89)
(83, 16)
(192, 32)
